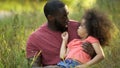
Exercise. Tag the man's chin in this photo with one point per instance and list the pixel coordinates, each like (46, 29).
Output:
(63, 29)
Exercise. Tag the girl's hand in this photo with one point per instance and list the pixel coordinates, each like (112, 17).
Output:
(64, 35)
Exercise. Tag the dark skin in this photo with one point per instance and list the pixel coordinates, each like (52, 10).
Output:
(61, 19)
(88, 48)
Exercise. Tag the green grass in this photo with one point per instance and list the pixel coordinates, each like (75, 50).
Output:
(14, 32)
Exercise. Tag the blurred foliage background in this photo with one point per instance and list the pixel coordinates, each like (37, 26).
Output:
(19, 18)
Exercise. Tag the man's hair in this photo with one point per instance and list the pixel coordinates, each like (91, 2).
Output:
(52, 6)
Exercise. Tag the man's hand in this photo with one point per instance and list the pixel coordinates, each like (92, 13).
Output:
(88, 48)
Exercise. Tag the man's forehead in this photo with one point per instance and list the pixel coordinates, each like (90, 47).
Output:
(64, 10)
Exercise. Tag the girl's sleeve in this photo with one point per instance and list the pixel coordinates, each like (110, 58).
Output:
(93, 40)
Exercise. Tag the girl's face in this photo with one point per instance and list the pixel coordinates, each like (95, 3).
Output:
(82, 31)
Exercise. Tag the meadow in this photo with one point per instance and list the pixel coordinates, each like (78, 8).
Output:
(27, 16)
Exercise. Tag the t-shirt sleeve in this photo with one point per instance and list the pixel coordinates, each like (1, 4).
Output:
(93, 40)
(71, 43)
(31, 49)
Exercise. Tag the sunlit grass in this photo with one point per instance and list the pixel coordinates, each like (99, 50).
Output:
(19, 6)
(14, 31)
(88, 3)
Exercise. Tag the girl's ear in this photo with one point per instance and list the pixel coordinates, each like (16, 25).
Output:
(50, 17)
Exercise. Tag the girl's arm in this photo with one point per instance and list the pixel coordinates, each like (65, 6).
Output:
(63, 49)
(99, 56)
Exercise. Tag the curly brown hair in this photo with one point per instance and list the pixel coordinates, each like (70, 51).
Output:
(98, 25)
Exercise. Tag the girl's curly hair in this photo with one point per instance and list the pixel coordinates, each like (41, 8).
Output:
(98, 25)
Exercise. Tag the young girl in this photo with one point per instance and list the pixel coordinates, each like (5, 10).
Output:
(95, 29)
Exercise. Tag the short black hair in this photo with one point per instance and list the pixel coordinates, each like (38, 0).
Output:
(52, 6)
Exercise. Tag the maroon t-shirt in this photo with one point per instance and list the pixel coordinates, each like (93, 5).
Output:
(49, 42)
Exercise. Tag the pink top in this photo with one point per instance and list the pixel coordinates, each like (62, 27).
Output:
(76, 51)
(49, 42)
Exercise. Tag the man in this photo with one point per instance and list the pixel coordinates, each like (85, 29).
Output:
(46, 40)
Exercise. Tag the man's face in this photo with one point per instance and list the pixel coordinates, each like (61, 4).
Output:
(61, 20)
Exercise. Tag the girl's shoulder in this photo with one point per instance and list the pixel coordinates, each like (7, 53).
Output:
(92, 39)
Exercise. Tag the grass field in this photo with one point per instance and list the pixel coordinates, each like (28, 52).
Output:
(15, 29)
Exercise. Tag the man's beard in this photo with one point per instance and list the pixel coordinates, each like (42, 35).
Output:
(59, 27)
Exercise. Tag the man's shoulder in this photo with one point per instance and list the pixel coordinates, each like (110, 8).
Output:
(73, 24)
(73, 21)
(40, 30)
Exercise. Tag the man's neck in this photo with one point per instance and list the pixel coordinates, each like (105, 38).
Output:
(52, 27)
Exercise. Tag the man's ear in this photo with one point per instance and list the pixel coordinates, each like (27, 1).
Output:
(50, 17)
